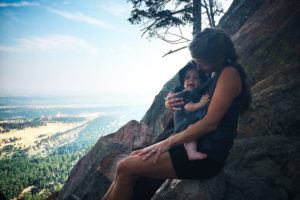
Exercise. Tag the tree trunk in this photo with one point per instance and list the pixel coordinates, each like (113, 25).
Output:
(197, 16)
(206, 6)
(211, 12)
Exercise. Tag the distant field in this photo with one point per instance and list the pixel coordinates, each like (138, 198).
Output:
(39, 144)
(28, 136)
(35, 139)
(42, 129)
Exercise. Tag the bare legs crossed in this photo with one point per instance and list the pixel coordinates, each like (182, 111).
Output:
(132, 167)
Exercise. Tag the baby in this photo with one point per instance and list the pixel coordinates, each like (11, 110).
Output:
(193, 110)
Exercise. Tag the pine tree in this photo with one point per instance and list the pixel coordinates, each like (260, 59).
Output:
(164, 19)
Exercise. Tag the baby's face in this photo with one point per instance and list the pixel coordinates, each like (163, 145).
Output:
(191, 79)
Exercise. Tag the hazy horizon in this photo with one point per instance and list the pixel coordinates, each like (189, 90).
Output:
(72, 100)
(81, 49)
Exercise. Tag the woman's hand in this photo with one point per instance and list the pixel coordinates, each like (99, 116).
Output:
(172, 101)
(153, 150)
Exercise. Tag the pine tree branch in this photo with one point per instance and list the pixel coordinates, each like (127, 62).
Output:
(173, 51)
(180, 39)
(147, 28)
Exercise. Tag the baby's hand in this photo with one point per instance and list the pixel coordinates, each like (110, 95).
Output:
(204, 99)
(189, 107)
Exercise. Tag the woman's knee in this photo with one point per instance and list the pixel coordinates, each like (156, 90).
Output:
(124, 167)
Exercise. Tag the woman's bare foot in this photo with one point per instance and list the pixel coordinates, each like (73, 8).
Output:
(196, 155)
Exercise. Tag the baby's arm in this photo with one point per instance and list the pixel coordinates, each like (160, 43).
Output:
(191, 107)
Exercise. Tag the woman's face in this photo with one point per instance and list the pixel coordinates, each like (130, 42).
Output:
(203, 66)
(191, 79)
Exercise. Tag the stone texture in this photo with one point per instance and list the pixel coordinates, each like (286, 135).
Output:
(263, 168)
(238, 13)
(269, 40)
(241, 185)
(212, 189)
(275, 108)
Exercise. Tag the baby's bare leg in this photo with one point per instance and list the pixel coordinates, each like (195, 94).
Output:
(191, 150)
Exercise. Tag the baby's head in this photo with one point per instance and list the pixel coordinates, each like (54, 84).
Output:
(191, 78)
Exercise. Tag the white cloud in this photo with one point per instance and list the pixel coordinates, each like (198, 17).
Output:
(4, 48)
(19, 4)
(80, 17)
(117, 9)
(51, 43)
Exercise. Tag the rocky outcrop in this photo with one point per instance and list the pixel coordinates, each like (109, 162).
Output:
(265, 159)
(275, 108)
(238, 13)
(191, 189)
(92, 175)
(269, 41)
(158, 118)
(263, 168)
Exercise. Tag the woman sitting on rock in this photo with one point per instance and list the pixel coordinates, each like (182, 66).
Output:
(213, 51)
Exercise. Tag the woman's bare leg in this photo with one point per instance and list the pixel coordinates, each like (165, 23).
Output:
(108, 194)
(132, 167)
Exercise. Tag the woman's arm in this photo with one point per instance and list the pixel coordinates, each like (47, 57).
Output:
(227, 88)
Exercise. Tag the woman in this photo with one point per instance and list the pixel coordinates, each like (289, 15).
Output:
(212, 51)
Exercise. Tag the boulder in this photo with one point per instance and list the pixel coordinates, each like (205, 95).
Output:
(210, 189)
(92, 175)
(268, 41)
(275, 108)
(263, 168)
(158, 118)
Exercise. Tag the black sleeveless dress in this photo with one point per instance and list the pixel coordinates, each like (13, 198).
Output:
(215, 144)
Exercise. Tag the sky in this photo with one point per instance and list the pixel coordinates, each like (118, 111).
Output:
(83, 49)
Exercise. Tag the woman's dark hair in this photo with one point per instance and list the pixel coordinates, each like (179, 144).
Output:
(215, 47)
